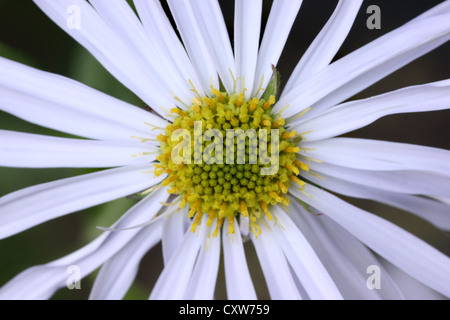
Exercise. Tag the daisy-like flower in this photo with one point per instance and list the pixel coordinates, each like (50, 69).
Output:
(310, 243)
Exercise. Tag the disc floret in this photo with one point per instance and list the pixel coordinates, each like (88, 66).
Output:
(240, 171)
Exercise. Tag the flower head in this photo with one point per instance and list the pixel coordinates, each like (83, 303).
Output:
(221, 156)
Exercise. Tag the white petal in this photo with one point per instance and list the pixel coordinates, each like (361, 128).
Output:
(196, 46)
(112, 51)
(367, 65)
(411, 288)
(247, 29)
(215, 34)
(345, 258)
(408, 182)
(433, 211)
(123, 21)
(176, 275)
(379, 155)
(41, 282)
(63, 104)
(173, 234)
(29, 207)
(118, 273)
(401, 248)
(160, 31)
(38, 151)
(238, 281)
(204, 276)
(357, 114)
(326, 44)
(301, 256)
(362, 258)
(277, 274)
(281, 19)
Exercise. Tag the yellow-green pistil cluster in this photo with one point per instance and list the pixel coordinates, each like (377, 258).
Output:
(227, 191)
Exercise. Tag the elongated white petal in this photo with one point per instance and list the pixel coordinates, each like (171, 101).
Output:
(123, 21)
(214, 31)
(111, 50)
(357, 114)
(29, 207)
(174, 279)
(362, 258)
(37, 151)
(160, 31)
(281, 19)
(247, 29)
(379, 155)
(408, 182)
(191, 32)
(173, 234)
(204, 276)
(63, 104)
(238, 281)
(41, 282)
(411, 288)
(304, 261)
(433, 211)
(365, 66)
(401, 248)
(326, 44)
(277, 274)
(345, 258)
(118, 273)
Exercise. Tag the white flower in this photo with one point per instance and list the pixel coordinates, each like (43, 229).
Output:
(320, 249)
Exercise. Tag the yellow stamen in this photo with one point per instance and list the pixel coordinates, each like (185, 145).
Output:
(198, 217)
(162, 138)
(292, 149)
(285, 201)
(194, 208)
(218, 94)
(282, 187)
(179, 112)
(231, 224)
(264, 207)
(266, 123)
(240, 100)
(162, 157)
(196, 101)
(288, 135)
(269, 102)
(301, 165)
(184, 200)
(196, 108)
(244, 210)
(172, 127)
(219, 225)
(278, 123)
(253, 104)
(173, 190)
(275, 196)
(209, 102)
(292, 168)
(303, 112)
(269, 215)
(223, 209)
(301, 183)
(169, 180)
(212, 215)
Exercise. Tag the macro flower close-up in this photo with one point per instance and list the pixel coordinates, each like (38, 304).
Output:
(223, 155)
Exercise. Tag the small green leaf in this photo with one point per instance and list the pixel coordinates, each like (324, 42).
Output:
(273, 88)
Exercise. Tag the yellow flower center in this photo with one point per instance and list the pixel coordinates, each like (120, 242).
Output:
(229, 158)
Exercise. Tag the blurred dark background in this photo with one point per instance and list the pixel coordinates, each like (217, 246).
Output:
(28, 36)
